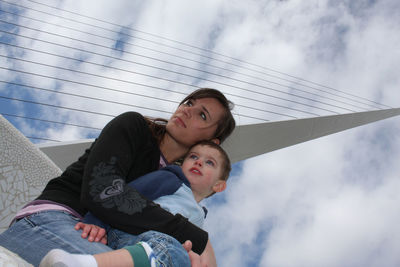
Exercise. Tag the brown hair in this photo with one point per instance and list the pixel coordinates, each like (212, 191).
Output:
(157, 127)
(226, 125)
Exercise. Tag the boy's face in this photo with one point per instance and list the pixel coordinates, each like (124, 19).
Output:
(203, 168)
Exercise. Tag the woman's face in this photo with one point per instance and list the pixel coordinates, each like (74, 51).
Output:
(195, 120)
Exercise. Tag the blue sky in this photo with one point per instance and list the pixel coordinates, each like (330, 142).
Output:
(328, 202)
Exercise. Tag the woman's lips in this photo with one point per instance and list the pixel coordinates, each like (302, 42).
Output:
(180, 122)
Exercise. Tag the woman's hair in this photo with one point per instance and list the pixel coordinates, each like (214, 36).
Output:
(226, 124)
(157, 127)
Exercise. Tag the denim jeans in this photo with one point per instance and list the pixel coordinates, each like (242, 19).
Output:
(167, 250)
(35, 235)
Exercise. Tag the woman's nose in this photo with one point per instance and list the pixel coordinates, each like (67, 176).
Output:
(187, 111)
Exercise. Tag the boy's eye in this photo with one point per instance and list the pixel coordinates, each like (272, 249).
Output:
(210, 162)
(193, 156)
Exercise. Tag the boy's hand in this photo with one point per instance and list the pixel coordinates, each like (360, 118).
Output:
(92, 232)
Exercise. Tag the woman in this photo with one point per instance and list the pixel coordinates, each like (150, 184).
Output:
(128, 147)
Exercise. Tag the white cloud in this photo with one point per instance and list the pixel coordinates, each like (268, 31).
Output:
(314, 205)
(329, 202)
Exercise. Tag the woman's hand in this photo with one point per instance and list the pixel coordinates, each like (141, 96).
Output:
(187, 246)
(206, 259)
(92, 232)
(195, 259)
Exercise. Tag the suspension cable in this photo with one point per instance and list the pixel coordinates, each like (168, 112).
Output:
(180, 49)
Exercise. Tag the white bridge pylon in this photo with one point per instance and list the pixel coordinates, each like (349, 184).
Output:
(251, 140)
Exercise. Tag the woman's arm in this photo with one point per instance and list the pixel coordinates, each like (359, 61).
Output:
(124, 151)
(207, 258)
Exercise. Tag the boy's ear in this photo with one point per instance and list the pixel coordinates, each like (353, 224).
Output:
(216, 141)
(219, 186)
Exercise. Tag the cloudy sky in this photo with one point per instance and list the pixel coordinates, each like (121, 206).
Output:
(328, 202)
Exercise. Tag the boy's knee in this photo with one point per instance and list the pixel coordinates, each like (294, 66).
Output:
(167, 249)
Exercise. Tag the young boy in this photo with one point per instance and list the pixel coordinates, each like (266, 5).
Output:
(204, 172)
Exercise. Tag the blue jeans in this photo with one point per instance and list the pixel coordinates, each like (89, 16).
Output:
(35, 235)
(167, 250)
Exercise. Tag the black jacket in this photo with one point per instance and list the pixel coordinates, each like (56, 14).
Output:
(97, 182)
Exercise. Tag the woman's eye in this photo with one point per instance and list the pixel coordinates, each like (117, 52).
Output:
(189, 103)
(210, 162)
(203, 116)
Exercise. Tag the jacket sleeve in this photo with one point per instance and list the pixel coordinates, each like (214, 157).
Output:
(157, 184)
(111, 164)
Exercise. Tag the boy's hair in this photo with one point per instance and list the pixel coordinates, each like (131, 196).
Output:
(225, 164)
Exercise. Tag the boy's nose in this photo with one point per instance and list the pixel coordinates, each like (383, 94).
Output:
(198, 162)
